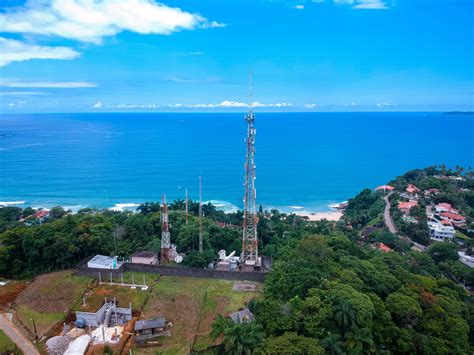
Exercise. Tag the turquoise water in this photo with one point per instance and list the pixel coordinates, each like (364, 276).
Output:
(305, 161)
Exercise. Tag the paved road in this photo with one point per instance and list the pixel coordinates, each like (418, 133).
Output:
(386, 215)
(16, 336)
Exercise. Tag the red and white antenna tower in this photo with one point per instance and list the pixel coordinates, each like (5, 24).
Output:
(186, 205)
(249, 239)
(165, 234)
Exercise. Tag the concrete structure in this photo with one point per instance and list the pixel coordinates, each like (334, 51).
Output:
(243, 316)
(103, 262)
(149, 329)
(466, 259)
(144, 257)
(441, 231)
(108, 314)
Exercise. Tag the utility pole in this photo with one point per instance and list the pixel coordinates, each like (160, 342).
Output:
(200, 214)
(186, 205)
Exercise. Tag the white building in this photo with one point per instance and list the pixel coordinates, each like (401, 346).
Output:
(103, 262)
(445, 207)
(440, 231)
(144, 257)
(466, 259)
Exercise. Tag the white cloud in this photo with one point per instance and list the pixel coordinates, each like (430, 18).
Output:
(97, 105)
(299, 7)
(223, 104)
(310, 106)
(50, 85)
(384, 104)
(370, 5)
(20, 93)
(16, 51)
(92, 20)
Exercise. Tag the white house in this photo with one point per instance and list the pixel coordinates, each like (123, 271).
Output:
(440, 231)
(445, 207)
(103, 262)
(466, 259)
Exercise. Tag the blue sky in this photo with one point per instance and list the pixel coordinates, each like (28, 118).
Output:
(319, 55)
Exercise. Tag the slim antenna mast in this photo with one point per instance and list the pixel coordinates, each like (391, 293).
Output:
(186, 205)
(200, 214)
(165, 233)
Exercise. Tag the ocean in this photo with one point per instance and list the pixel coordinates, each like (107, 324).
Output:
(305, 161)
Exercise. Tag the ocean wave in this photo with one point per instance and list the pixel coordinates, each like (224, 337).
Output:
(120, 207)
(297, 207)
(225, 206)
(12, 203)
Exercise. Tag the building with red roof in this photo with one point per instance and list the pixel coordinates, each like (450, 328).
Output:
(385, 188)
(445, 207)
(383, 247)
(454, 218)
(405, 207)
(412, 189)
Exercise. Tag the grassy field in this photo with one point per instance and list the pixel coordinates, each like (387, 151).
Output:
(5, 342)
(49, 298)
(191, 304)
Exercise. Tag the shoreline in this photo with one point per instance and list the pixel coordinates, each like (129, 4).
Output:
(319, 216)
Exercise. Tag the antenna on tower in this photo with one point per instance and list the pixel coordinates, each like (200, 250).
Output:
(200, 214)
(249, 238)
(165, 233)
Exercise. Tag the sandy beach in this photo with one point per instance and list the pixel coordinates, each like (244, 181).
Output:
(318, 216)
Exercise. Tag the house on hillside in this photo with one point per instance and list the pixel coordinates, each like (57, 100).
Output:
(385, 188)
(431, 192)
(405, 207)
(144, 257)
(445, 207)
(441, 231)
(466, 259)
(454, 218)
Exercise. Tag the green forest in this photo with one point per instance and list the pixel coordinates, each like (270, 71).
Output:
(330, 289)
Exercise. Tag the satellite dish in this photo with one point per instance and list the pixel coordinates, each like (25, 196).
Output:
(178, 259)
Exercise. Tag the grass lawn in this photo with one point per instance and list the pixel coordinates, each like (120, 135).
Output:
(461, 235)
(49, 298)
(5, 342)
(191, 304)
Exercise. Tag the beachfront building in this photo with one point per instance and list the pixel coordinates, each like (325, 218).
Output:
(454, 218)
(441, 231)
(104, 262)
(144, 257)
(405, 207)
(445, 207)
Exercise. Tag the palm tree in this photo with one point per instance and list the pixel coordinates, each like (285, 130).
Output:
(333, 344)
(344, 314)
(359, 340)
(242, 338)
(219, 326)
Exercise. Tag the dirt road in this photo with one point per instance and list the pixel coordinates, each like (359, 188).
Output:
(16, 336)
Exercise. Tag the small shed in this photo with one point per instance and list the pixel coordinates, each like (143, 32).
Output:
(243, 316)
(144, 257)
(103, 262)
(148, 329)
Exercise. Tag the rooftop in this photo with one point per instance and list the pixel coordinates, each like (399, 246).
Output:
(103, 260)
(144, 254)
(150, 324)
(453, 216)
(243, 316)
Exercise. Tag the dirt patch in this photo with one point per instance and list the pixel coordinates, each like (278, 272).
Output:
(50, 293)
(245, 286)
(10, 292)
